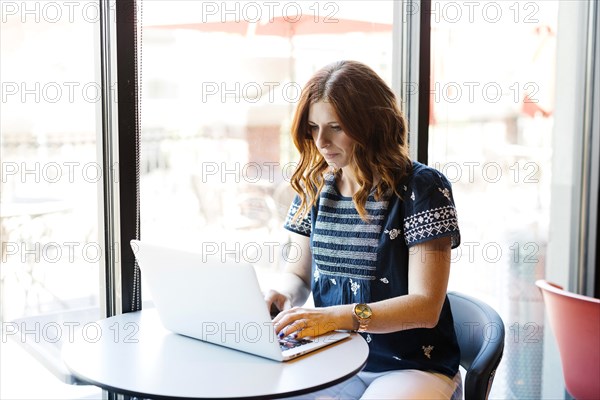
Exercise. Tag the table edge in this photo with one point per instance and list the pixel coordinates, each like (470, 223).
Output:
(260, 397)
(85, 380)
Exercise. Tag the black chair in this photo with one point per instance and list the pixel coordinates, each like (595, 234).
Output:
(480, 333)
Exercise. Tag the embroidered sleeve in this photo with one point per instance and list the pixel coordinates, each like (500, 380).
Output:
(301, 226)
(430, 212)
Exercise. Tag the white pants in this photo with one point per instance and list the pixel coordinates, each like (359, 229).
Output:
(408, 384)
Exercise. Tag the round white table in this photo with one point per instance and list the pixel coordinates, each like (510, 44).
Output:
(133, 354)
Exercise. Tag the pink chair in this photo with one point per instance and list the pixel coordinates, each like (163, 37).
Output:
(575, 321)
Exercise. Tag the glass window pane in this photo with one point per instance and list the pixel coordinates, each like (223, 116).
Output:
(490, 133)
(220, 83)
(48, 196)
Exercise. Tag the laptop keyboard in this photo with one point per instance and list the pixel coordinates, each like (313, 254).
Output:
(289, 343)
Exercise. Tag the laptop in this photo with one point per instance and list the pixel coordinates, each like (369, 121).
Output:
(217, 301)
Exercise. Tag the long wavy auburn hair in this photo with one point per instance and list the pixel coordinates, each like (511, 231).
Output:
(368, 112)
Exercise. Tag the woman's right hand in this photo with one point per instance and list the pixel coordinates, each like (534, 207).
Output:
(293, 286)
(277, 302)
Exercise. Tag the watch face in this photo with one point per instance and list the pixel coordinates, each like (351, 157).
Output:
(362, 311)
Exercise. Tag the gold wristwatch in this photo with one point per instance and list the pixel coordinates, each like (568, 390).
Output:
(363, 314)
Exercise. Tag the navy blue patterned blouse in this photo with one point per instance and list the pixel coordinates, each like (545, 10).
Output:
(358, 262)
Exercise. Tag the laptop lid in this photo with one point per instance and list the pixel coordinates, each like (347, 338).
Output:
(215, 300)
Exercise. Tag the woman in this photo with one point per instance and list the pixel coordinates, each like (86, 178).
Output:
(376, 230)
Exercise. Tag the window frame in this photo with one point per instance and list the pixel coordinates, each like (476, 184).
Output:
(119, 136)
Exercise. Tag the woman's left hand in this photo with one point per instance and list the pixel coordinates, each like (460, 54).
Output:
(303, 322)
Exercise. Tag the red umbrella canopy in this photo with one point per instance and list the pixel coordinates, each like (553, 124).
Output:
(314, 25)
(285, 26)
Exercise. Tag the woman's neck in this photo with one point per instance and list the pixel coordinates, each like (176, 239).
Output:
(347, 184)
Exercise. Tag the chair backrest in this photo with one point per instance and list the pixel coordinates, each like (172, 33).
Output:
(575, 322)
(480, 334)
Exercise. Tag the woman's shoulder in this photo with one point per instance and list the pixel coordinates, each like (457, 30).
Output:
(424, 175)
